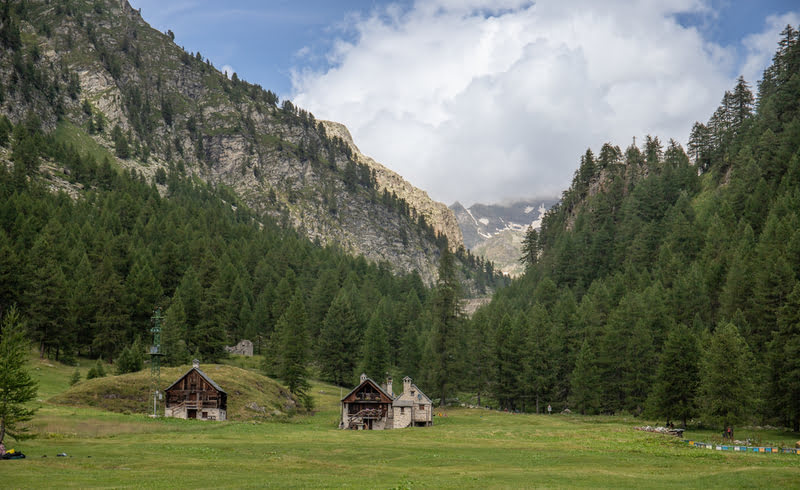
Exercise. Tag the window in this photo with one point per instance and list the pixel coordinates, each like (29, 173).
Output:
(422, 407)
(205, 415)
(402, 410)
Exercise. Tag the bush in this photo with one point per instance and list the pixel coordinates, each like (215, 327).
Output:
(76, 377)
(97, 371)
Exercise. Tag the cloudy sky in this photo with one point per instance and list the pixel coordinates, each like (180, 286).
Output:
(487, 101)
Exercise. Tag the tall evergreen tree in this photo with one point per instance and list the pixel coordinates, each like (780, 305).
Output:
(677, 378)
(784, 357)
(375, 348)
(585, 386)
(294, 350)
(17, 387)
(727, 389)
(338, 339)
(446, 316)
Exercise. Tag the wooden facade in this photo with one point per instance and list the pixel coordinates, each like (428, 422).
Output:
(371, 406)
(368, 407)
(196, 396)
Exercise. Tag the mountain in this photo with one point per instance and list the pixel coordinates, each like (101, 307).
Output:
(438, 215)
(496, 231)
(97, 74)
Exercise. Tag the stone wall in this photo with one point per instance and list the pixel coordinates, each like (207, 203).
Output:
(180, 412)
(402, 417)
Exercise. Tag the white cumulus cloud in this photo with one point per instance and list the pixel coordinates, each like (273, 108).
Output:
(482, 101)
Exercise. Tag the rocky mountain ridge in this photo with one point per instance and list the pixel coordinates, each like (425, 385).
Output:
(437, 214)
(95, 70)
(496, 231)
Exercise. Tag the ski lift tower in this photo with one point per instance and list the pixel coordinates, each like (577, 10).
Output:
(155, 359)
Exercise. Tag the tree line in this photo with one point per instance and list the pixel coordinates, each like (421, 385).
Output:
(665, 283)
(86, 271)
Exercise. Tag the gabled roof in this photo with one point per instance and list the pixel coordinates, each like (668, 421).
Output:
(418, 396)
(374, 384)
(203, 375)
(420, 393)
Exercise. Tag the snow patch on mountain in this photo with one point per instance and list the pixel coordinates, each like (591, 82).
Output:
(482, 225)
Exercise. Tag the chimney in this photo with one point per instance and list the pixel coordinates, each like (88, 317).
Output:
(406, 385)
(363, 377)
(389, 384)
(196, 364)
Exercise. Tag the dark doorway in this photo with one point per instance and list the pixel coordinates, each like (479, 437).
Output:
(191, 413)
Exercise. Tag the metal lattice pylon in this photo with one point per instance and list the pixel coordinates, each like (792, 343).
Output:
(155, 358)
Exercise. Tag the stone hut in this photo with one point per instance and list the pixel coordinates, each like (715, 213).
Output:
(243, 348)
(370, 406)
(196, 396)
(412, 408)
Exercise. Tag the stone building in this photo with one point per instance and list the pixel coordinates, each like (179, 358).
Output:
(370, 406)
(196, 396)
(243, 348)
(412, 408)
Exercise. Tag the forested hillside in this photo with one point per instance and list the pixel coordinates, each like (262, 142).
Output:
(86, 270)
(667, 282)
(118, 201)
(99, 75)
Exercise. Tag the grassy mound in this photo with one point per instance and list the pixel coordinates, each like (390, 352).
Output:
(250, 395)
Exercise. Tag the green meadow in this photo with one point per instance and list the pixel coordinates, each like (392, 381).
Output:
(465, 448)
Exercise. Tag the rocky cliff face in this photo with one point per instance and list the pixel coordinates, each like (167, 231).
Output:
(96, 69)
(437, 214)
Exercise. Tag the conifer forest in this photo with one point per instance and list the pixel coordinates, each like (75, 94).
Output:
(666, 281)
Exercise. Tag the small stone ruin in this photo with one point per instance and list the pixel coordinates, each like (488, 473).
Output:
(243, 348)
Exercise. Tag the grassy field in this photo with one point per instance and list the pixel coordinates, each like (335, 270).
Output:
(466, 448)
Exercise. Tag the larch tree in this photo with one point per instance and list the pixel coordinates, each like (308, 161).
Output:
(677, 377)
(375, 348)
(16, 385)
(447, 320)
(585, 381)
(294, 350)
(727, 388)
(338, 339)
(784, 357)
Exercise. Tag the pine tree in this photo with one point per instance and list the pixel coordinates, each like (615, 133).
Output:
(45, 291)
(75, 378)
(507, 364)
(727, 389)
(294, 350)
(173, 334)
(677, 378)
(17, 387)
(446, 316)
(538, 358)
(784, 357)
(338, 341)
(131, 359)
(96, 371)
(110, 320)
(585, 381)
(375, 348)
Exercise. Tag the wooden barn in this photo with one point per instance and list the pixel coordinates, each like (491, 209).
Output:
(196, 396)
(371, 406)
(368, 406)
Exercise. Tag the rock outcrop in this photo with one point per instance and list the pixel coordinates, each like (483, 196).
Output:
(437, 214)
